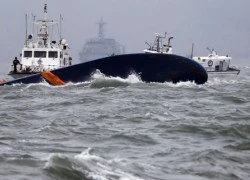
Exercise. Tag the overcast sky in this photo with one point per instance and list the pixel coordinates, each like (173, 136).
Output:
(220, 24)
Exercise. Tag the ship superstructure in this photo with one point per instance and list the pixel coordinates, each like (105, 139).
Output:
(158, 46)
(100, 47)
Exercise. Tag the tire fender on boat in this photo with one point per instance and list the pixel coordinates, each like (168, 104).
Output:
(210, 63)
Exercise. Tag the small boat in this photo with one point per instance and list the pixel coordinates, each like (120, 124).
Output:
(215, 64)
(158, 46)
(40, 53)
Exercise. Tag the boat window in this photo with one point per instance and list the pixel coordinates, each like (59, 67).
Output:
(53, 54)
(27, 54)
(40, 54)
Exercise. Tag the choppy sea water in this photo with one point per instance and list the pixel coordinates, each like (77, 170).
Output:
(124, 129)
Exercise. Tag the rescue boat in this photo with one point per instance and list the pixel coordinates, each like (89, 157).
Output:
(41, 53)
(215, 64)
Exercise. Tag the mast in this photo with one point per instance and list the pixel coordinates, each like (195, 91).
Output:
(46, 19)
(43, 35)
(34, 20)
(158, 43)
(26, 29)
(192, 51)
(45, 12)
(60, 27)
(101, 29)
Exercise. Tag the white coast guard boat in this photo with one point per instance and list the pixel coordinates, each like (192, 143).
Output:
(40, 53)
(215, 64)
(158, 46)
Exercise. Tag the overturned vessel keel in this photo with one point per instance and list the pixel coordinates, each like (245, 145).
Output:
(150, 68)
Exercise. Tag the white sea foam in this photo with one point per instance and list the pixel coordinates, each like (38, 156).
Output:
(220, 81)
(51, 157)
(43, 83)
(132, 78)
(103, 169)
(93, 166)
(182, 84)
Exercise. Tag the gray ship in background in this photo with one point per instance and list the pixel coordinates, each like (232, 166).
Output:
(100, 47)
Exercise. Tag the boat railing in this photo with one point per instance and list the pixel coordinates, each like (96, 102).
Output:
(25, 68)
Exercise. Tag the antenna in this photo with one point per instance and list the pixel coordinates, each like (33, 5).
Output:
(26, 29)
(45, 11)
(148, 45)
(165, 35)
(209, 50)
(61, 18)
(192, 51)
(33, 28)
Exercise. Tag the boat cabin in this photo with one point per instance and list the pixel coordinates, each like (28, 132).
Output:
(214, 62)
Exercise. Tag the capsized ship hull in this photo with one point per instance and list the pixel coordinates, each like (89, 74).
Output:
(150, 68)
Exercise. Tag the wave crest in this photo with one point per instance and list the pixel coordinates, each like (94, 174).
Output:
(86, 166)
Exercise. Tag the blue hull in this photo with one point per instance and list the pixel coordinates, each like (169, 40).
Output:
(150, 67)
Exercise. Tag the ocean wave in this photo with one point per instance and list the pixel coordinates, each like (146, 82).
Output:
(24, 160)
(135, 139)
(87, 166)
(221, 81)
(99, 80)
(182, 84)
(241, 131)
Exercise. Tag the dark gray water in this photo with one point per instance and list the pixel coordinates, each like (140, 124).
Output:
(125, 129)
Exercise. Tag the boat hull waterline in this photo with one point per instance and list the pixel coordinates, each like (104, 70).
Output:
(150, 67)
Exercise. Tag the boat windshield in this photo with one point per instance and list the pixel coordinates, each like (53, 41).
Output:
(53, 54)
(40, 54)
(27, 54)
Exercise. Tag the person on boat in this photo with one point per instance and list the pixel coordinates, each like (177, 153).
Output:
(70, 61)
(15, 63)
